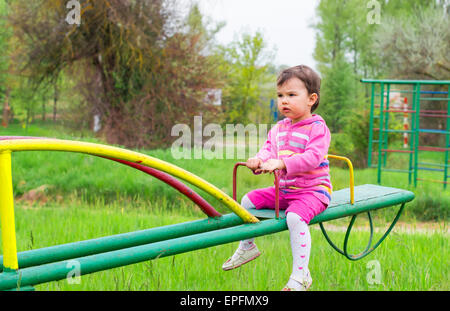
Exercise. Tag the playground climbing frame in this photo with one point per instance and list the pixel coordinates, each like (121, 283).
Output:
(380, 114)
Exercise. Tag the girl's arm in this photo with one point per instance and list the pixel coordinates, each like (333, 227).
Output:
(268, 151)
(315, 151)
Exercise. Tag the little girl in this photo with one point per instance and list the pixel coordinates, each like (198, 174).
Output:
(297, 147)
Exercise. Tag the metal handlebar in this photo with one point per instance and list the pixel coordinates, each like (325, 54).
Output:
(277, 187)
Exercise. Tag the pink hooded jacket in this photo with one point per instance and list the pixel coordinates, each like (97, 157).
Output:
(303, 147)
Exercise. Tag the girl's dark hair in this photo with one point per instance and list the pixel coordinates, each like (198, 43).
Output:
(309, 77)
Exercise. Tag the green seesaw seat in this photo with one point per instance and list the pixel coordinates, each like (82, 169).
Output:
(367, 198)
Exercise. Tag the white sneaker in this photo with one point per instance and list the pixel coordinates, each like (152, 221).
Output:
(302, 285)
(240, 257)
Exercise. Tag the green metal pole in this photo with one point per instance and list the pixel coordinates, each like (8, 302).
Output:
(411, 135)
(94, 263)
(380, 134)
(372, 101)
(416, 136)
(344, 210)
(386, 124)
(120, 241)
(369, 248)
(448, 142)
(423, 82)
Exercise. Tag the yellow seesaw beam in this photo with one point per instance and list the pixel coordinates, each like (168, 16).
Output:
(7, 212)
(123, 154)
(6, 197)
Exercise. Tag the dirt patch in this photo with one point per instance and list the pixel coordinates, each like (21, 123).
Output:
(400, 227)
(38, 195)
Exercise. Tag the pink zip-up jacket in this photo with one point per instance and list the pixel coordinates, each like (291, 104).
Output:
(303, 147)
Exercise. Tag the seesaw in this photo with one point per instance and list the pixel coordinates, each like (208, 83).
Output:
(23, 270)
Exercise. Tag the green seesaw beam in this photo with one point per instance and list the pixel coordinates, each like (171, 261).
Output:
(119, 241)
(109, 260)
(123, 249)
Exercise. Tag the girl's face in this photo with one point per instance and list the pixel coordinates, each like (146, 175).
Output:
(294, 101)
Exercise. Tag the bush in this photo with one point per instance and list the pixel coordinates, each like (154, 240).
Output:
(353, 141)
(428, 207)
(341, 145)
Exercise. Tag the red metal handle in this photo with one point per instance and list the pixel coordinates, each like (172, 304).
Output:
(277, 187)
(168, 179)
(277, 191)
(234, 177)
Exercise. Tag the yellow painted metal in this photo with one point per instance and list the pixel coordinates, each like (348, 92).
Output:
(128, 155)
(352, 176)
(7, 213)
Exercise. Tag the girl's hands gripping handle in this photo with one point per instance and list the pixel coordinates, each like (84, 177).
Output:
(254, 164)
(258, 166)
(270, 166)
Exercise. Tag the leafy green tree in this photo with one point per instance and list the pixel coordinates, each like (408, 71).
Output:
(402, 8)
(246, 64)
(341, 50)
(331, 31)
(4, 63)
(338, 94)
(343, 29)
(416, 46)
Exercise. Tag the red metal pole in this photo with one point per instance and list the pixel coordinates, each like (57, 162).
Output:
(234, 177)
(277, 190)
(175, 183)
(277, 187)
(182, 188)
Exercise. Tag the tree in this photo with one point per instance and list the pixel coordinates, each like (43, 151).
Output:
(415, 46)
(246, 64)
(341, 50)
(331, 30)
(402, 8)
(4, 64)
(338, 95)
(136, 65)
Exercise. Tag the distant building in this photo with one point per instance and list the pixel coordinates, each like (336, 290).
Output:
(213, 97)
(97, 125)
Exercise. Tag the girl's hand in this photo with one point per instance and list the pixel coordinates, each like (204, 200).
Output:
(253, 163)
(271, 165)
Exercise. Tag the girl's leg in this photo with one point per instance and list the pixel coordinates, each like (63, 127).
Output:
(300, 239)
(247, 250)
(247, 244)
(302, 209)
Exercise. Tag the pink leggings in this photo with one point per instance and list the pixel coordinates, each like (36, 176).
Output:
(305, 204)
